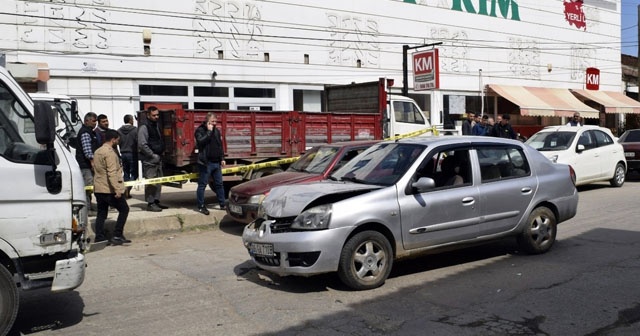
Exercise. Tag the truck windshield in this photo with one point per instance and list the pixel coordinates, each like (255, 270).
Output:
(383, 164)
(17, 130)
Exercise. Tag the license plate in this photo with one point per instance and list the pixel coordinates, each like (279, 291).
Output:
(630, 154)
(235, 209)
(262, 249)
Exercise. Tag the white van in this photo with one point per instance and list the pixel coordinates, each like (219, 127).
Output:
(43, 207)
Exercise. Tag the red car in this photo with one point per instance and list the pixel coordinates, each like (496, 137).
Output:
(630, 141)
(316, 164)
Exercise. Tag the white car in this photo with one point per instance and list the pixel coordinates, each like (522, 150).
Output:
(592, 151)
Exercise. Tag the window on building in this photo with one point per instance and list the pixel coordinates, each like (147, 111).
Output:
(204, 91)
(241, 92)
(163, 90)
(211, 106)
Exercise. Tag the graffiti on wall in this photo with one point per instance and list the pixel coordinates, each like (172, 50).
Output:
(64, 25)
(581, 59)
(524, 58)
(353, 39)
(231, 26)
(453, 57)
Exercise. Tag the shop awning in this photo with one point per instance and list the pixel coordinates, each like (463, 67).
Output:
(613, 102)
(544, 102)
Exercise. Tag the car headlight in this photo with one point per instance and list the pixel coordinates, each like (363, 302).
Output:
(256, 199)
(554, 158)
(316, 218)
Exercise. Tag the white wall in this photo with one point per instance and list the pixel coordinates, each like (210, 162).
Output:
(85, 40)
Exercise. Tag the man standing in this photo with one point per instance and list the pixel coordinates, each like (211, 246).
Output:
(86, 145)
(109, 188)
(467, 125)
(480, 128)
(503, 129)
(210, 161)
(103, 126)
(151, 148)
(129, 151)
(575, 121)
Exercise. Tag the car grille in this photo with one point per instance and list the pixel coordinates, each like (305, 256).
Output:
(282, 225)
(268, 261)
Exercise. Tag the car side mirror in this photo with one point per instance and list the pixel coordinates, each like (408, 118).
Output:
(580, 148)
(424, 184)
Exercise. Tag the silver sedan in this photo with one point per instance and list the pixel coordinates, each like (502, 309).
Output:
(420, 195)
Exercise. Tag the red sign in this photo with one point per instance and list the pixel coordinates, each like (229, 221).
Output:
(574, 14)
(593, 79)
(426, 70)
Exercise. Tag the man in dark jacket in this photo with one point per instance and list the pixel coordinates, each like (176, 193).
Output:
(151, 148)
(210, 161)
(503, 129)
(129, 151)
(86, 145)
(101, 128)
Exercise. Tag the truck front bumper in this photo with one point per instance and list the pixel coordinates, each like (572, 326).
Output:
(69, 273)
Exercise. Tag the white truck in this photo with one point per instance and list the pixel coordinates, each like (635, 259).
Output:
(43, 207)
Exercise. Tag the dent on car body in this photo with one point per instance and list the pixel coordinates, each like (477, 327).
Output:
(291, 200)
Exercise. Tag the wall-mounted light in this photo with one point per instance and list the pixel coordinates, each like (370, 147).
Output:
(549, 67)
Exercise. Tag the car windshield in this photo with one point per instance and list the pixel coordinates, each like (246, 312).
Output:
(630, 136)
(382, 164)
(551, 141)
(315, 161)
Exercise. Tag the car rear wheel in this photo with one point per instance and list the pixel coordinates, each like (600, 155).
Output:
(618, 176)
(365, 261)
(8, 300)
(540, 233)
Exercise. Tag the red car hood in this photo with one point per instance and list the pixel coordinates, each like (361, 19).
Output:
(264, 184)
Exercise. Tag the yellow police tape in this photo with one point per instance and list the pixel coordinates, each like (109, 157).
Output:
(245, 168)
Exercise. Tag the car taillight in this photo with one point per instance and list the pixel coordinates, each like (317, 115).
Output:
(572, 173)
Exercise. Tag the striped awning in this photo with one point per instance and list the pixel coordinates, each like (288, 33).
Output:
(544, 102)
(613, 102)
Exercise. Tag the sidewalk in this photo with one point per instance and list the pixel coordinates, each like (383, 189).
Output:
(182, 214)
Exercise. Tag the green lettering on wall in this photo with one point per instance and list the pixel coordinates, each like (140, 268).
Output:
(505, 7)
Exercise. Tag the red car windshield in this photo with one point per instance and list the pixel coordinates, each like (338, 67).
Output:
(315, 161)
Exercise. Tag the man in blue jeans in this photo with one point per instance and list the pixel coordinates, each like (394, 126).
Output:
(210, 161)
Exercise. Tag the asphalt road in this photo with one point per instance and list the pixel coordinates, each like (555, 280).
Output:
(203, 283)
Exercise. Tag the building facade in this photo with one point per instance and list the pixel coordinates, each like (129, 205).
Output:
(115, 55)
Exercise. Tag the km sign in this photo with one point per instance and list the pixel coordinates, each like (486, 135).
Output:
(426, 70)
(593, 79)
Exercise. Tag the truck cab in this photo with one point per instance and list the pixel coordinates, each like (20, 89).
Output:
(43, 207)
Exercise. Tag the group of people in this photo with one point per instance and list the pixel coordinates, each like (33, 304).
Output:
(108, 158)
(485, 126)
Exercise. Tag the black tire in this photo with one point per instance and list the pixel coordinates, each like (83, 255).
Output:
(540, 233)
(8, 301)
(618, 176)
(365, 261)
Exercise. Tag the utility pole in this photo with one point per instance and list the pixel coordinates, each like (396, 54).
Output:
(405, 65)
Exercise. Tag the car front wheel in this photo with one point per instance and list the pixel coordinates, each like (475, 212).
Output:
(540, 233)
(365, 261)
(618, 176)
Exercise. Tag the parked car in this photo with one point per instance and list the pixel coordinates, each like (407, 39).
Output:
(630, 141)
(418, 195)
(592, 151)
(315, 165)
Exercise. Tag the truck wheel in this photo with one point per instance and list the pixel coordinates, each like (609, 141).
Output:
(265, 172)
(8, 301)
(618, 176)
(365, 261)
(540, 233)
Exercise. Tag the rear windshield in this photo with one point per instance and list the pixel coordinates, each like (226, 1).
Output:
(631, 136)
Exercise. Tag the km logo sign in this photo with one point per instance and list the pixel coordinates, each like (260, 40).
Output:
(593, 79)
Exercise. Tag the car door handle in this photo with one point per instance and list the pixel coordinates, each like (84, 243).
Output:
(468, 201)
(525, 190)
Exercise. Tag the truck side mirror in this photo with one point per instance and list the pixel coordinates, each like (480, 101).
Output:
(74, 111)
(46, 134)
(44, 123)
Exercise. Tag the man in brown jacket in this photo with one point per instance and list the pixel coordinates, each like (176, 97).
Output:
(108, 186)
